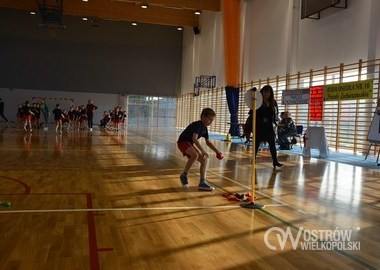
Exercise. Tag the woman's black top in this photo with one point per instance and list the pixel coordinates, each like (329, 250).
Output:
(265, 119)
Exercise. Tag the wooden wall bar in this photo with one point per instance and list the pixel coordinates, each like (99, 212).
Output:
(342, 132)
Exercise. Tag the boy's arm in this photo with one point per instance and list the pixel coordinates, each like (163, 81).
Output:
(210, 144)
(198, 145)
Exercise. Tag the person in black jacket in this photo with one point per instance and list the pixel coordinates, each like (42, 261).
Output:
(90, 113)
(286, 129)
(266, 117)
(2, 110)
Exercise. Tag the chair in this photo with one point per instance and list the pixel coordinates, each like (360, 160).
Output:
(299, 134)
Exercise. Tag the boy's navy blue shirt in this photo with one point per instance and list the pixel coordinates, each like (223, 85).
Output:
(195, 127)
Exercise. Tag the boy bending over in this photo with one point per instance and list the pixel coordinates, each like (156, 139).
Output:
(188, 144)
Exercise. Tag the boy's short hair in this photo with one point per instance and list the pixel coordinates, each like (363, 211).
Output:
(208, 112)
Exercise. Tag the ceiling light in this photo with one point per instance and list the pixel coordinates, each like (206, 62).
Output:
(144, 6)
(84, 19)
(179, 28)
(134, 23)
(85, 0)
(32, 13)
(198, 12)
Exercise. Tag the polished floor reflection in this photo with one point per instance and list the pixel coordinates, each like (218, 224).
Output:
(113, 200)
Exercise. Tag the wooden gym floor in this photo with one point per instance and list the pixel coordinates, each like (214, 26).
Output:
(106, 200)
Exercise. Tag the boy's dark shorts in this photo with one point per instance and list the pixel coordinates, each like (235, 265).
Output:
(183, 146)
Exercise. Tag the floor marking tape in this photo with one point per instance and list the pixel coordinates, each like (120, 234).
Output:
(119, 209)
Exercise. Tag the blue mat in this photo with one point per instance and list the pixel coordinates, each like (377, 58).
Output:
(354, 160)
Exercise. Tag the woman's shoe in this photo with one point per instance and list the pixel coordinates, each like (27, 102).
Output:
(277, 164)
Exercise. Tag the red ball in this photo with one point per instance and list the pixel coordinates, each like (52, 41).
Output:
(219, 156)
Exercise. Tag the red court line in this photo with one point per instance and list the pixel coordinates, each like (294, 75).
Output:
(93, 246)
(39, 194)
(94, 256)
(27, 188)
(105, 249)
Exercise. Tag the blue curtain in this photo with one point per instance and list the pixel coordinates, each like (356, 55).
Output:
(232, 95)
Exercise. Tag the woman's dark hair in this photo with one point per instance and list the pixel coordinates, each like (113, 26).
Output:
(272, 102)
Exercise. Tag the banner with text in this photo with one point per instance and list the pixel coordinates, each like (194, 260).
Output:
(316, 103)
(297, 96)
(349, 91)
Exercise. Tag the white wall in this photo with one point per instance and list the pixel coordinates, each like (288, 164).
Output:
(202, 54)
(12, 98)
(340, 36)
(374, 36)
(276, 41)
(269, 24)
(189, 64)
(265, 27)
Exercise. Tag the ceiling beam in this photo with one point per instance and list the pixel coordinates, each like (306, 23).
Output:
(128, 11)
(210, 5)
(163, 12)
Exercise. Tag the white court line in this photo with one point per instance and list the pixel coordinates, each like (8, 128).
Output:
(128, 209)
(274, 205)
(120, 209)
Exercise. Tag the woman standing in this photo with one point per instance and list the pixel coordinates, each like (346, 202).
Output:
(90, 113)
(266, 117)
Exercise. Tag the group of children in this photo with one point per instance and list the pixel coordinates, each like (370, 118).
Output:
(113, 119)
(28, 115)
(77, 118)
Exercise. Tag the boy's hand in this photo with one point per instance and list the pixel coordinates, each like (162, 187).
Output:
(205, 154)
(219, 155)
